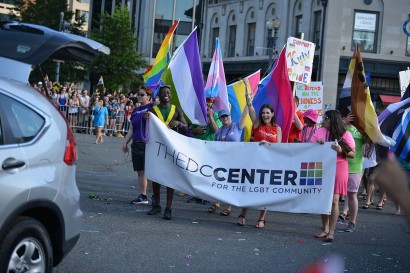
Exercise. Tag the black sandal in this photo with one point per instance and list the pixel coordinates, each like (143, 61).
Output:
(225, 212)
(330, 237)
(213, 208)
(241, 220)
(366, 206)
(258, 224)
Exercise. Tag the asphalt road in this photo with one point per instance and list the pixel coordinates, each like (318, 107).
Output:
(120, 237)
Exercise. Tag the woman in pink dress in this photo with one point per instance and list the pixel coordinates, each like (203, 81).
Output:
(333, 130)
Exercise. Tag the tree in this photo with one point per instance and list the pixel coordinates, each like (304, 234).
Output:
(47, 13)
(119, 68)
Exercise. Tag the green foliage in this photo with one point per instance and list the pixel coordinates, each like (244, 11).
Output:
(47, 13)
(119, 68)
(43, 12)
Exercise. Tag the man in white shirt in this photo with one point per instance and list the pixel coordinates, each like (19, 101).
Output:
(84, 109)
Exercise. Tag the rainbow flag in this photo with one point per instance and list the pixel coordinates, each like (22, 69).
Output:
(100, 81)
(276, 90)
(216, 83)
(236, 95)
(153, 73)
(355, 98)
(184, 75)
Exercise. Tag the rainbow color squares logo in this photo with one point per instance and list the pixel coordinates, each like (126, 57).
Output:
(311, 173)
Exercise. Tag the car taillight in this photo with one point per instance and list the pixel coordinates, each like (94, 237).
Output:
(70, 156)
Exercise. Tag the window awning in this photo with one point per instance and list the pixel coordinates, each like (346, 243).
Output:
(388, 99)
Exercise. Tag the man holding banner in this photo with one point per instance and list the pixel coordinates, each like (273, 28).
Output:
(174, 118)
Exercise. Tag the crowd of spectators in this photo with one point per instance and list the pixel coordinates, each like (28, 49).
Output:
(77, 105)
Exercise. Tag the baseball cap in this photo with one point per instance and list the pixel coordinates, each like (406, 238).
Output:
(223, 112)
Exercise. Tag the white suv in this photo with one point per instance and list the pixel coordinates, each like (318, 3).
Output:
(40, 216)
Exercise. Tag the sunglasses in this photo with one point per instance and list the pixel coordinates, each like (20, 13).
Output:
(326, 118)
(141, 95)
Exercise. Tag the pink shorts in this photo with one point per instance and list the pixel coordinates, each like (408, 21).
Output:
(353, 182)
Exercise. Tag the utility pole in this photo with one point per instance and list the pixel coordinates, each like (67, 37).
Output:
(57, 79)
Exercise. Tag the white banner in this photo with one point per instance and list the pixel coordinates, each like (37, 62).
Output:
(299, 59)
(296, 177)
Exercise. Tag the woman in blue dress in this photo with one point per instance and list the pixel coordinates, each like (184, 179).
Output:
(100, 120)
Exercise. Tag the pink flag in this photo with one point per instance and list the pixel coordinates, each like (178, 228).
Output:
(216, 83)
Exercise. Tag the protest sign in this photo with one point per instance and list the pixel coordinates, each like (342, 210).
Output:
(299, 59)
(310, 96)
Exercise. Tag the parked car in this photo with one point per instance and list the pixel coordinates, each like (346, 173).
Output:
(40, 215)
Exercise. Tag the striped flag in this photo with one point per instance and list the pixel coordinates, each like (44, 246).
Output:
(406, 93)
(276, 90)
(216, 83)
(355, 97)
(401, 136)
(392, 123)
(237, 99)
(184, 74)
(153, 73)
(100, 81)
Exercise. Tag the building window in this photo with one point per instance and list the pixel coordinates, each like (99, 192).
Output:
(317, 27)
(80, 13)
(408, 46)
(215, 34)
(231, 41)
(365, 31)
(250, 47)
(298, 25)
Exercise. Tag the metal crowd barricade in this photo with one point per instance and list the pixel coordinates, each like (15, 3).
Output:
(82, 121)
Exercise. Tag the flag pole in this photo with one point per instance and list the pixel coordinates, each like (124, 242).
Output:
(302, 36)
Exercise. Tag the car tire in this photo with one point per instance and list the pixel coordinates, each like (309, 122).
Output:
(26, 244)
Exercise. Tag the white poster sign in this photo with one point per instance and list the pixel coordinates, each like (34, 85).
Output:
(299, 59)
(310, 96)
(365, 21)
(404, 78)
(296, 177)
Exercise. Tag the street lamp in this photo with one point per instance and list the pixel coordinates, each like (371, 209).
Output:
(60, 28)
(273, 27)
(320, 61)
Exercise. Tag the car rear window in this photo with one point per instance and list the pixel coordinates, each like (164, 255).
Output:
(19, 123)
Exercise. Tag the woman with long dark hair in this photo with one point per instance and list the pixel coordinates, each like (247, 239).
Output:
(265, 130)
(333, 130)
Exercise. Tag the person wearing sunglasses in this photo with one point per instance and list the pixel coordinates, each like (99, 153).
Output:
(334, 130)
(137, 132)
(232, 132)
